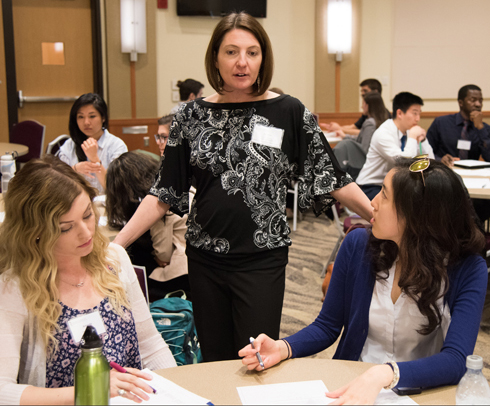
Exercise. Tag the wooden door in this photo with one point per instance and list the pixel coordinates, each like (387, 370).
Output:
(43, 67)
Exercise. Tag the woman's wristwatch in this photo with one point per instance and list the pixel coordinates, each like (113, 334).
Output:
(396, 374)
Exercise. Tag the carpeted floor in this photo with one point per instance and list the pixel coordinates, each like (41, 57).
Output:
(313, 241)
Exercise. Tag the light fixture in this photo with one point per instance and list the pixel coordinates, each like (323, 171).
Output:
(339, 27)
(133, 27)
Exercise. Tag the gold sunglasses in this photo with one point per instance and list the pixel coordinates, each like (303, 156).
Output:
(420, 165)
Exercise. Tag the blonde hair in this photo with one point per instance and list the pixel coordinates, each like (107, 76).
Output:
(39, 194)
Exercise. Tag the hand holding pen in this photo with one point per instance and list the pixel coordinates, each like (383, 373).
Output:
(130, 383)
(257, 354)
(263, 352)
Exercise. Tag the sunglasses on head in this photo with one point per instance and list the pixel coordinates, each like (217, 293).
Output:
(420, 165)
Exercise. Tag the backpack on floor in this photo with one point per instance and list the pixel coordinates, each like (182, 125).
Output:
(174, 320)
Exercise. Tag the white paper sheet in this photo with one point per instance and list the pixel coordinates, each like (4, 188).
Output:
(477, 183)
(484, 173)
(471, 163)
(168, 393)
(305, 393)
(102, 221)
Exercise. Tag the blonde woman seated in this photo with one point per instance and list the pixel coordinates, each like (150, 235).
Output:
(161, 250)
(56, 265)
(408, 297)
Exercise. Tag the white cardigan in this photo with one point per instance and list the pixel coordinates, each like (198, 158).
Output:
(22, 351)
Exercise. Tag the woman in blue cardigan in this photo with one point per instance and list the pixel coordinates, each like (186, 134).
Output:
(407, 296)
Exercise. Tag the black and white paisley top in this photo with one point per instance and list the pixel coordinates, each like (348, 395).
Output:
(239, 207)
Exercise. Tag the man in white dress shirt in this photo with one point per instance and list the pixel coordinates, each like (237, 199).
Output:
(400, 136)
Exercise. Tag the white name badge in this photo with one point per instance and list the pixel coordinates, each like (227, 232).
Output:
(464, 144)
(269, 136)
(78, 324)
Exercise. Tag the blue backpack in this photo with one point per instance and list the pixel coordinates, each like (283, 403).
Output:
(174, 320)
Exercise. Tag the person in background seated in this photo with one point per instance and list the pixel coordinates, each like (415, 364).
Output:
(446, 132)
(91, 148)
(56, 265)
(407, 296)
(163, 132)
(400, 136)
(189, 89)
(463, 135)
(351, 151)
(367, 85)
(161, 249)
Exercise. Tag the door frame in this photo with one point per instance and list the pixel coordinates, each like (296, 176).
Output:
(11, 77)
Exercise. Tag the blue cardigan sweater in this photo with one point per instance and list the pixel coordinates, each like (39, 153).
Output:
(347, 305)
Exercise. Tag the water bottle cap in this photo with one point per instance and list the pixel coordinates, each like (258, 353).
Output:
(474, 362)
(91, 339)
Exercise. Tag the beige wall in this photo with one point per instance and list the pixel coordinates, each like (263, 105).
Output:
(386, 24)
(118, 67)
(181, 44)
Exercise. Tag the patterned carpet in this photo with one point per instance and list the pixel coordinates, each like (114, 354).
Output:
(313, 241)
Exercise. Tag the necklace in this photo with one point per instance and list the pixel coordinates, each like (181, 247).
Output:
(78, 285)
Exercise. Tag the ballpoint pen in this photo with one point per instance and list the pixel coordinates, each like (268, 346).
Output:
(119, 368)
(257, 354)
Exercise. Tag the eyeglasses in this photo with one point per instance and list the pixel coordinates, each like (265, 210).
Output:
(161, 138)
(420, 165)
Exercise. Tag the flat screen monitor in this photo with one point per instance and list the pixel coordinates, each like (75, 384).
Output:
(219, 8)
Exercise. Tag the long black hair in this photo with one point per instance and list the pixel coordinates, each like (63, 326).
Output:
(76, 134)
(440, 230)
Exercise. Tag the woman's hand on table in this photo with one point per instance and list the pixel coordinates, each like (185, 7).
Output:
(340, 133)
(90, 147)
(87, 168)
(132, 383)
(364, 389)
(271, 351)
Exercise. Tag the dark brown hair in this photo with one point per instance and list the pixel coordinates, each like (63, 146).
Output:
(373, 84)
(129, 178)
(440, 231)
(240, 21)
(76, 133)
(376, 107)
(165, 120)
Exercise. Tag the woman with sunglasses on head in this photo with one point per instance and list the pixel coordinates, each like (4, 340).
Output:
(242, 145)
(91, 148)
(407, 295)
(55, 265)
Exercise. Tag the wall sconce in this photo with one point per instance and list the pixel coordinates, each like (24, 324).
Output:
(339, 27)
(133, 27)
(339, 37)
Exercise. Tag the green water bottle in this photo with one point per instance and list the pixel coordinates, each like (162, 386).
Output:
(92, 372)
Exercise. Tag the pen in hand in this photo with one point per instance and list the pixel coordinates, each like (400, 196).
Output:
(257, 354)
(121, 369)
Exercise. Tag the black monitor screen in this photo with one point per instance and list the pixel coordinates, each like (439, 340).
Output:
(219, 8)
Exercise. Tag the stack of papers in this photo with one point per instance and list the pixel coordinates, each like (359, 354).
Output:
(305, 393)
(471, 163)
(477, 183)
(168, 393)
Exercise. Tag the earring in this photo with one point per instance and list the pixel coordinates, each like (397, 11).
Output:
(220, 80)
(37, 240)
(258, 81)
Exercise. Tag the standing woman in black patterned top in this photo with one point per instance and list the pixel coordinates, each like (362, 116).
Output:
(243, 145)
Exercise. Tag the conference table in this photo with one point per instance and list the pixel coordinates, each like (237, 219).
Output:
(477, 181)
(217, 381)
(8, 147)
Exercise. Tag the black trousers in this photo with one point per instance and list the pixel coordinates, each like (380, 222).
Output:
(231, 306)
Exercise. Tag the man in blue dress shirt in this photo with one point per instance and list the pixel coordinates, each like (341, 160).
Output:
(462, 135)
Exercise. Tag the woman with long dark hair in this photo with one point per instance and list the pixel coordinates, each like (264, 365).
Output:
(161, 250)
(407, 296)
(91, 148)
(351, 151)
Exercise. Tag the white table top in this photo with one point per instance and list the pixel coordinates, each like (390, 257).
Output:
(11, 147)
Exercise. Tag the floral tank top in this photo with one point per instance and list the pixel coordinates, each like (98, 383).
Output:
(120, 343)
